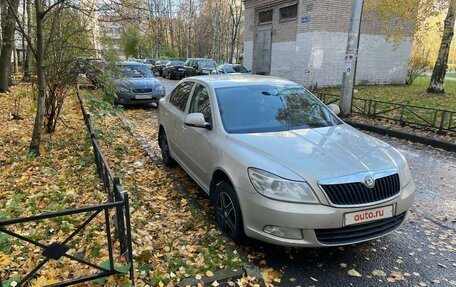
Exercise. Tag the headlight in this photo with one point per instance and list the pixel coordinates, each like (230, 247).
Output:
(404, 174)
(122, 89)
(161, 88)
(278, 188)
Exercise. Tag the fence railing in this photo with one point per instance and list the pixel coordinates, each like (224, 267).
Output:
(440, 120)
(118, 202)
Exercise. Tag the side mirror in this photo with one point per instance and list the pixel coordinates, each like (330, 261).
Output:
(195, 67)
(197, 120)
(334, 108)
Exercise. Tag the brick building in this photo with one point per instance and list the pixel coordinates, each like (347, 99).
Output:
(305, 41)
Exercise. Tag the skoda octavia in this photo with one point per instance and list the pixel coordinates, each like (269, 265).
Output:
(279, 165)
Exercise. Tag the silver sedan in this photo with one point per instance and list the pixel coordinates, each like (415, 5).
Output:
(279, 165)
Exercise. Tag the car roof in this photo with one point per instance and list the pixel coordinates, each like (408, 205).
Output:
(127, 63)
(225, 81)
(198, 59)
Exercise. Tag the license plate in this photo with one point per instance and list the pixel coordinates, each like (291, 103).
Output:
(369, 215)
(180, 69)
(143, 97)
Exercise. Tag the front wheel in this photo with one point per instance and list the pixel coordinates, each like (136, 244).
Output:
(163, 143)
(228, 211)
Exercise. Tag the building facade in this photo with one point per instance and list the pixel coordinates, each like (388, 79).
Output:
(305, 41)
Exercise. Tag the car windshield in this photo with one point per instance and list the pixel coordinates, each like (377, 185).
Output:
(269, 108)
(176, 63)
(135, 71)
(206, 64)
(235, 69)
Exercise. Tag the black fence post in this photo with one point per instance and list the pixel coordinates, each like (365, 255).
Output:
(442, 123)
(369, 108)
(120, 218)
(130, 244)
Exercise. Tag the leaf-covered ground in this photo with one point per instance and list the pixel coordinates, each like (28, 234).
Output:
(172, 239)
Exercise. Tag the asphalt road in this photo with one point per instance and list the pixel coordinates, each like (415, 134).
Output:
(421, 253)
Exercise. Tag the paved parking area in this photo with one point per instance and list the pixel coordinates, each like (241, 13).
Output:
(421, 253)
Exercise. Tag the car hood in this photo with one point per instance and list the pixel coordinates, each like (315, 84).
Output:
(322, 153)
(140, 83)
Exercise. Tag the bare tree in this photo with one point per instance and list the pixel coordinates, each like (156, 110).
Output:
(441, 65)
(8, 42)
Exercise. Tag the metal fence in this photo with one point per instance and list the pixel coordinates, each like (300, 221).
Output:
(440, 120)
(118, 202)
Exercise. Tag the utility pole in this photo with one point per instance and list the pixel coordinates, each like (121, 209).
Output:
(351, 57)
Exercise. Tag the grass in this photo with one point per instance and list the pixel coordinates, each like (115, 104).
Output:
(414, 94)
(451, 75)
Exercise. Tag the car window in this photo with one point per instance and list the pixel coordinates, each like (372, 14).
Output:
(240, 69)
(230, 69)
(201, 103)
(134, 71)
(206, 64)
(180, 95)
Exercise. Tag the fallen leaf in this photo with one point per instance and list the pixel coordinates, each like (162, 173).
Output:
(354, 273)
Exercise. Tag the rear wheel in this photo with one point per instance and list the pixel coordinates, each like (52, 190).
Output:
(163, 143)
(228, 211)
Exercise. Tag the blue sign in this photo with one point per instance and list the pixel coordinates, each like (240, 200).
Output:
(305, 19)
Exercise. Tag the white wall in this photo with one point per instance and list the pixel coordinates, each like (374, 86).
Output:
(318, 57)
(283, 59)
(248, 55)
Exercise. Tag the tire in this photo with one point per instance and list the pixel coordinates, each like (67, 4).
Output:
(164, 147)
(228, 211)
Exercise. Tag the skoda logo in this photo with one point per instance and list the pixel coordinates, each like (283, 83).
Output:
(369, 181)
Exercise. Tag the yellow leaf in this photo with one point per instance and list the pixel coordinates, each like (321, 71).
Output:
(354, 273)
(161, 284)
(4, 260)
(43, 281)
(209, 273)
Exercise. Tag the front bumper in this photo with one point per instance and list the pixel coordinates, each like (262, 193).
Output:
(131, 98)
(259, 211)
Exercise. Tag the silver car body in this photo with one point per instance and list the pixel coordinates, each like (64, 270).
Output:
(321, 156)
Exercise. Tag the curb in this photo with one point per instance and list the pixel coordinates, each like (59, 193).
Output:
(448, 146)
(220, 275)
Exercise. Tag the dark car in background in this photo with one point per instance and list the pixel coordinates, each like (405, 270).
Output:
(174, 69)
(150, 63)
(199, 66)
(89, 71)
(135, 84)
(158, 67)
(232, 69)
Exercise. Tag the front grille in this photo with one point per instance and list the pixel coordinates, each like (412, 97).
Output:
(357, 193)
(142, 91)
(359, 232)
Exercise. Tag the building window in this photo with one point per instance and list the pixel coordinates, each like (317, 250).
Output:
(265, 17)
(289, 12)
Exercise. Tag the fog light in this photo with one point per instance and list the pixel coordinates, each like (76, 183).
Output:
(284, 232)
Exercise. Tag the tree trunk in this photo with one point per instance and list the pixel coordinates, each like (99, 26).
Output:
(28, 51)
(440, 68)
(37, 128)
(8, 29)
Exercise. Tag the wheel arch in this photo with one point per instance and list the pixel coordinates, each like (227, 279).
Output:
(219, 175)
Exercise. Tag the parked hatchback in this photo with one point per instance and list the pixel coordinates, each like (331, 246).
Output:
(232, 69)
(279, 165)
(135, 84)
(199, 66)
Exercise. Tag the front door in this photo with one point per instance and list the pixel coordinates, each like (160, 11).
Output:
(263, 50)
